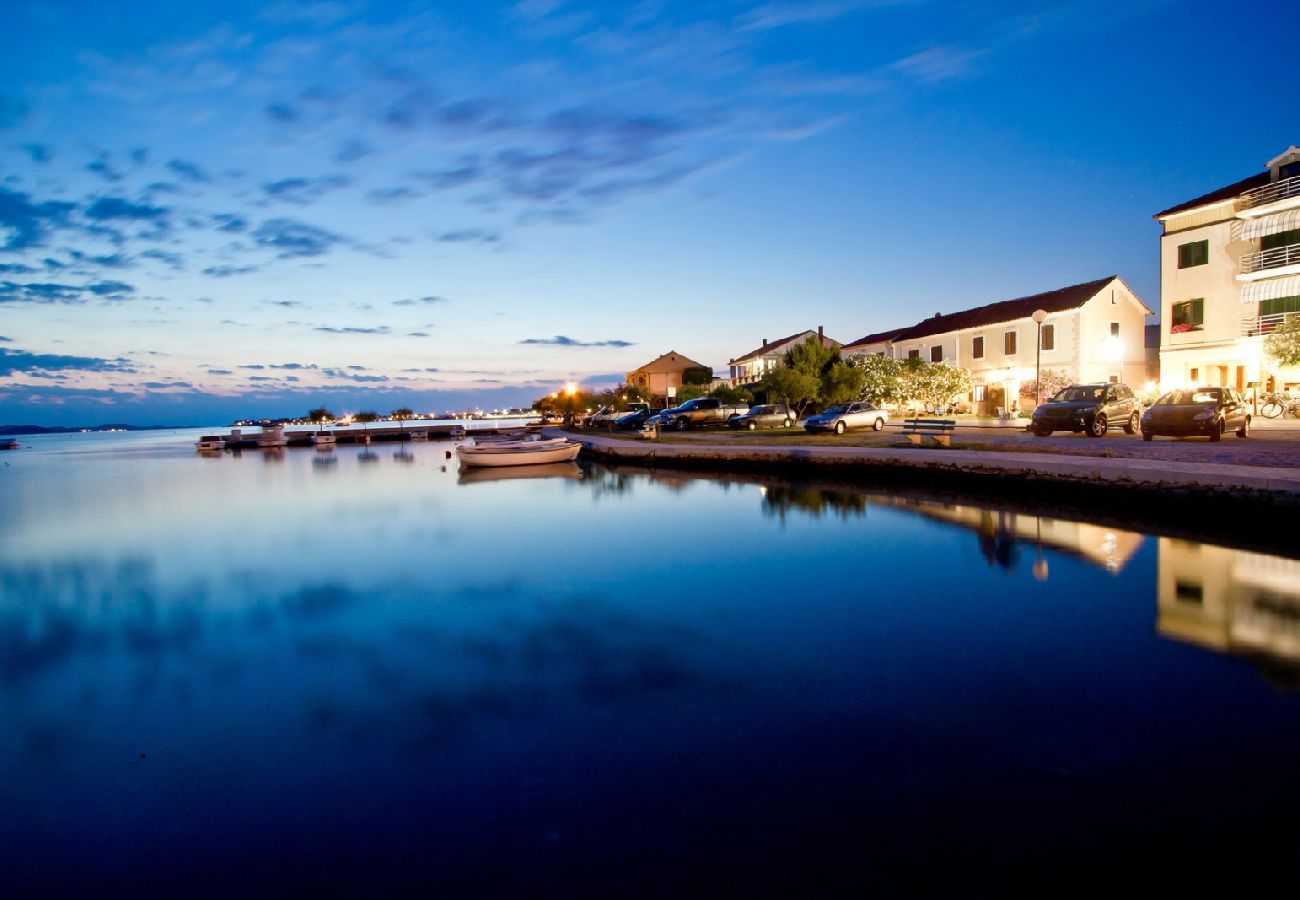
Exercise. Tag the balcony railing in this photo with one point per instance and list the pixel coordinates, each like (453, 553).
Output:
(1254, 326)
(1271, 193)
(1271, 259)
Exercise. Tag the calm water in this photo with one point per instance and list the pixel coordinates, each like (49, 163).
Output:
(366, 672)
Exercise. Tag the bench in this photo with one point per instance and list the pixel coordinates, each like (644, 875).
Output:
(937, 430)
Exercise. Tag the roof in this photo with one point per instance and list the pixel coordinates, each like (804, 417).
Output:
(879, 337)
(678, 361)
(1223, 193)
(1059, 300)
(773, 346)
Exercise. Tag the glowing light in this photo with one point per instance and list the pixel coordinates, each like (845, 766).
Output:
(570, 389)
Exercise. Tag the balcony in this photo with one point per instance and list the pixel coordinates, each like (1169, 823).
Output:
(1266, 260)
(1249, 203)
(1255, 326)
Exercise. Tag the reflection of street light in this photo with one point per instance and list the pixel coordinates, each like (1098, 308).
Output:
(1112, 350)
(1040, 564)
(1038, 317)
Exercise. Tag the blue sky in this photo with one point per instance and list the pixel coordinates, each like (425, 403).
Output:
(212, 210)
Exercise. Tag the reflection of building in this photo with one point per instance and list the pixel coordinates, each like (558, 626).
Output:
(1000, 532)
(1232, 601)
(1093, 332)
(1229, 275)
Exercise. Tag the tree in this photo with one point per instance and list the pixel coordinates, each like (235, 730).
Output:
(1283, 345)
(880, 378)
(365, 417)
(697, 375)
(401, 414)
(1053, 383)
(728, 394)
(935, 384)
(795, 388)
(319, 414)
(841, 383)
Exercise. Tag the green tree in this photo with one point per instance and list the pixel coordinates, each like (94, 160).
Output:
(811, 373)
(1283, 345)
(365, 417)
(697, 375)
(795, 388)
(880, 378)
(841, 383)
(728, 394)
(401, 414)
(319, 414)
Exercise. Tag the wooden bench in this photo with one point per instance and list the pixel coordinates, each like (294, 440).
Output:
(937, 430)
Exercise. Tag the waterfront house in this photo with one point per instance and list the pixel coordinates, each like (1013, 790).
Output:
(752, 366)
(663, 376)
(1093, 331)
(1229, 275)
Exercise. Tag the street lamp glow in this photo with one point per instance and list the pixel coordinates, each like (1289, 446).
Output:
(570, 389)
(1112, 350)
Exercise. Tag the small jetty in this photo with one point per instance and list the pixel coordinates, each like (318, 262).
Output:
(279, 436)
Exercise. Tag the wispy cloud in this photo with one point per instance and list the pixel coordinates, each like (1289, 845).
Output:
(561, 340)
(292, 239)
(353, 329)
(420, 301)
(20, 361)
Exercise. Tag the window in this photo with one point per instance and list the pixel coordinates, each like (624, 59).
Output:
(1187, 316)
(980, 392)
(1282, 239)
(1280, 305)
(1009, 343)
(977, 348)
(936, 354)
(1197, 253)
(913, 354)
(1188, 592)
(1049, 337)
(1114, 329)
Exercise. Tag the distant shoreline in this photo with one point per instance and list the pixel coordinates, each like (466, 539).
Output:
(61, 429)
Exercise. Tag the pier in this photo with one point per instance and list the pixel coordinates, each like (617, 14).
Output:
(278, 436)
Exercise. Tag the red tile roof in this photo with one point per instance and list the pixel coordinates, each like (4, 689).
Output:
(878, 337)
(770, 346)
(1223, 193)
(1059, 300)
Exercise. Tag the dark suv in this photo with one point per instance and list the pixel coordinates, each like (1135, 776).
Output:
(1090, 408)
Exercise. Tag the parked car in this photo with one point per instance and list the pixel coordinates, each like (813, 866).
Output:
(847, 416)
(1204, 411)
(700, 412)
(606, 416)
(1091, 408)
(634, 420)
(768, 415)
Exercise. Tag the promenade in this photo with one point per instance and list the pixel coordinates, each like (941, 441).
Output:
(1264, 466)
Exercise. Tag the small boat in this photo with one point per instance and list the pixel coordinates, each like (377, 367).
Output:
(519, 453)
(209, 442)
(419, 435)
(8, 444)
(324, 438)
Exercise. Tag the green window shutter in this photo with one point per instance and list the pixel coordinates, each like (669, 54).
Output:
(1198, 312)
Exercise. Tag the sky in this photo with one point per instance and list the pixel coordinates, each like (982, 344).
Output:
(218, 210)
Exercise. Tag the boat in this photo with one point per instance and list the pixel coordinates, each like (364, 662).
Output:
(209, 442)
(519, 453)
(8, 444)
(325, 438)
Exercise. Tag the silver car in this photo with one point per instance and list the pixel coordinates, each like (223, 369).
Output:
(846, 416)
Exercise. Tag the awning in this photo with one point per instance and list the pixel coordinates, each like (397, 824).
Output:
(1272, 289)
(1272, 224)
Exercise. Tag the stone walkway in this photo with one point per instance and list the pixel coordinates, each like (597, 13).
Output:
(1268, 465)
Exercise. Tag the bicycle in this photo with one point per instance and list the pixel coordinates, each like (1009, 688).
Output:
(1275, 405)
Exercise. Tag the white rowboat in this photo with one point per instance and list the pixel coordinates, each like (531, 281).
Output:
(523, 453)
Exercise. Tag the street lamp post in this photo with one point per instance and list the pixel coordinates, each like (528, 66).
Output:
(1039, 316)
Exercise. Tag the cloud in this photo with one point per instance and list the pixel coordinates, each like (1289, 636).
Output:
(220, 372)
(228, 271)
(294, 366)
(229, 222)
(388, 196)
(562, 341)
(937, 64)
(352, 150)
(52, 292)
(778, 14)
(39, 153)
(16, 269)
(255, 367)
(420, 301)
(28, 223)
(304, 190)
(381, 329)
(15, 361)
(282, 113)
(101, 167)
(285, 304)
(319, 13)
(172, 260)
(189, 171)
(470, 235)
(417, 334)
(116, 208)
(293, 239)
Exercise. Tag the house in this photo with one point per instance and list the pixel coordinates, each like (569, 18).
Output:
(758, 362)
(1093, 331)
(1229, 275)
(663, 376)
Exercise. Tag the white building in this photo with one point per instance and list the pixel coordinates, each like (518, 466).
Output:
(1092, 332)
(1229, 274)
(752, 366)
